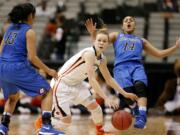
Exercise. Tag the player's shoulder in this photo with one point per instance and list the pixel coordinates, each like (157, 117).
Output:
(30, 32)
(88, 52)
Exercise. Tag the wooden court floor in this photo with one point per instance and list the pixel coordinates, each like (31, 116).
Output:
(156, 125)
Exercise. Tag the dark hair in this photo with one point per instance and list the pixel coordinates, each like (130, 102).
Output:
(20, 12)
(130, 17)
(100, 23)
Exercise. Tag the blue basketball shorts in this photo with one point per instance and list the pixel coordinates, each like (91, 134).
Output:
(126, 74)
(16, 76)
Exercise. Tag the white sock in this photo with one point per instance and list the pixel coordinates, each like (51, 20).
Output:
(143, 108)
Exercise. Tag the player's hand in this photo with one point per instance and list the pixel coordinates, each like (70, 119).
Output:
(131, 96)
(111, 103)
(177, 43)
(90, 26)
(53, 73)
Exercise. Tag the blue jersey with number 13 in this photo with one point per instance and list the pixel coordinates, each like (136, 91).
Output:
(14, 49)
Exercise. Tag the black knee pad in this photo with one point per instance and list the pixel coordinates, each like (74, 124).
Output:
(125, 102)
(140, 89)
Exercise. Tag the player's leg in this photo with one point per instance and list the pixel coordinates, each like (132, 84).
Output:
(46, 106)
(140, 84)
(129, 104)
(97, 115)
(61, 115)
(35, 85)
(85, 98)
(124, 78)
(12, 95)
(46, 115)
(141, 119)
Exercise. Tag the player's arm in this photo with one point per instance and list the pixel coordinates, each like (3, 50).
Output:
(111, 82)
(89, 58)
(91, 28)
(32, 55)
(150, 49)
(2, 45)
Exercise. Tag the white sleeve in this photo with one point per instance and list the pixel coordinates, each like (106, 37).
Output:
(52, 83)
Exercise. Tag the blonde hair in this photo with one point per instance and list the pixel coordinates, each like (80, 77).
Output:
(103, 31)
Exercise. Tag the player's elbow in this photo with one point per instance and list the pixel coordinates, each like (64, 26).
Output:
(32, 58)
(159, 54)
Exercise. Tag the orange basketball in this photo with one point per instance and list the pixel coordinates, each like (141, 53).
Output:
(121, 120)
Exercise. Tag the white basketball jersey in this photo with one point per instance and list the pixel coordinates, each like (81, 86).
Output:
(74, 71)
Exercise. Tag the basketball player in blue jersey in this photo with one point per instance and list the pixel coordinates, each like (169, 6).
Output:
(17, 53)
(128, 68)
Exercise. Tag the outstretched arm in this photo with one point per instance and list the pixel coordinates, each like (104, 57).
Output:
(32, 56)
(89, 58)
(91, 28)
(148, 47)
(111, 82)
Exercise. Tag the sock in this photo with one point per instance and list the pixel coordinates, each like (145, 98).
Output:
(135, 109)
(99, 127)
(5, 120)
(46, 117)
(142, 108)
(142, 112)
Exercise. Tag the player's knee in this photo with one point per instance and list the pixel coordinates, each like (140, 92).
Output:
(97, 115)
(127, 100)
(61, 124)
(90, 103)
(141, 89)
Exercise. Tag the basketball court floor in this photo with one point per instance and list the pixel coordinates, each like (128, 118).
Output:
(82, 125)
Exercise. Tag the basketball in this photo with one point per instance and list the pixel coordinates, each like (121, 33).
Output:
(121, 120)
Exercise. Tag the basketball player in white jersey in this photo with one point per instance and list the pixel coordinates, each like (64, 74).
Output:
(70, 87)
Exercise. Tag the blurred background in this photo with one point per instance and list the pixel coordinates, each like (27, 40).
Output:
(61, 33)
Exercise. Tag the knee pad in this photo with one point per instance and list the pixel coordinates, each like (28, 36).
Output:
(97, 115)
(59, 124)
(141, 89)
(128, 101)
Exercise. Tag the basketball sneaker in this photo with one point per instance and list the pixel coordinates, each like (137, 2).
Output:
(47, 129)
(101, 131)
(38, 124)
(141, 119)
(3, 130)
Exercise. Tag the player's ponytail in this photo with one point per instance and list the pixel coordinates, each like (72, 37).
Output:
(20, 12)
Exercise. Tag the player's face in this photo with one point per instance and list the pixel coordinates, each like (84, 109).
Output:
(129, 24)
(101, 42)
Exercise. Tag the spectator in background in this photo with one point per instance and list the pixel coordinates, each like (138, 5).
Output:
(168, 5)
(43, 10)
(60, 37)
(170, 98)
(48, 42)
(4, 27)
